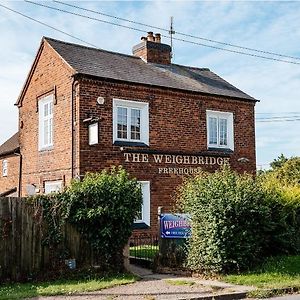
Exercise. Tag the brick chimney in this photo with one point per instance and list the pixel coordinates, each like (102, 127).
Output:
(152, 50)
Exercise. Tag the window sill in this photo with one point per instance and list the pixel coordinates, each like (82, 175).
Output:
(130, 144)
(140, 225)
(46, 149)
(223, 150)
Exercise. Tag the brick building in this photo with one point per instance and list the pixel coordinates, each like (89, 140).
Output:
(84, 109)
(10, 162)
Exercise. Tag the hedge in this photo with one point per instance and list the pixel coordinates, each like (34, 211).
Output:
(238, 220)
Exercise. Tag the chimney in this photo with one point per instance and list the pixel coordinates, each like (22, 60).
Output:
(152, 50)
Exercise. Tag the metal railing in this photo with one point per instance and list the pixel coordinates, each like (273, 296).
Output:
(143, 247)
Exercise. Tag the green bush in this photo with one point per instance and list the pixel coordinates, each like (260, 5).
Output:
(102, 208)
(230, 221)
(282, 189)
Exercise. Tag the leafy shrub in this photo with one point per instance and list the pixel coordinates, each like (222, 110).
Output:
(282, 189)
(102, 208)
(230, 221)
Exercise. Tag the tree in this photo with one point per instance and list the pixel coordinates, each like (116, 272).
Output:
(277, 163)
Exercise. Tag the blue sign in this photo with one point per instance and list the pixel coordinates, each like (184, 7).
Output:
(175, 226)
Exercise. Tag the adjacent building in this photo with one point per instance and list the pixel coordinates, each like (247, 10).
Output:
(84, 109)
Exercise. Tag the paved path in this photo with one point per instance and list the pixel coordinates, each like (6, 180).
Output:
(158, 287)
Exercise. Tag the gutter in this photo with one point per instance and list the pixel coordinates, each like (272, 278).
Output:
(10, 152)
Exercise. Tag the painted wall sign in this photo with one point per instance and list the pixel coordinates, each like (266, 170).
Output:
(178, 164)
(175, 226)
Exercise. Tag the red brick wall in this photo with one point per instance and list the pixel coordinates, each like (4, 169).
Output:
(12, 179)
(55, 164)
(177, 123)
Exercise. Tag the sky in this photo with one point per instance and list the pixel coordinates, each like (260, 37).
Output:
(265, 25)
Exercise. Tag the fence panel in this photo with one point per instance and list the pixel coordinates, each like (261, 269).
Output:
(21, 249)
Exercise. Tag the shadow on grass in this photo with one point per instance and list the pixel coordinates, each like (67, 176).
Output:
(62, 287)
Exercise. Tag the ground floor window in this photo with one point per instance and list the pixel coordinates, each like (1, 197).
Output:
(144, 214)
(53, 186)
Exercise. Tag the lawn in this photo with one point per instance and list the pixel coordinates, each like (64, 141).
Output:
(275, 273)
(144, 251)
(61, 287)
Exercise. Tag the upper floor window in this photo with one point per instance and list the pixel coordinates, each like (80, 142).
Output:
(4, 168)
(143, 215)
(130, 121)
(46, 122)
(220, 129)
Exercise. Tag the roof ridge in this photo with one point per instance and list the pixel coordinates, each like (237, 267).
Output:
(91, 48)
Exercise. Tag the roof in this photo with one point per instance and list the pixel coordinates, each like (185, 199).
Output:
(10, 146)
(116, 66)
(8, 192)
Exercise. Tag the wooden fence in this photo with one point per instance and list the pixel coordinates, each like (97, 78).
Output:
(22, 252)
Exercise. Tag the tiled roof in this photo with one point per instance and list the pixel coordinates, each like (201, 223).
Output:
(116, 66)
(10, 146)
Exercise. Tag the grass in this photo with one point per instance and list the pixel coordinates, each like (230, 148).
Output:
(143, 251)
(180, 282)
(61, 287)
(275, 273)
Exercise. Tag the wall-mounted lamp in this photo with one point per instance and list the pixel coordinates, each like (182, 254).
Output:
(91, 120)
(243, 160)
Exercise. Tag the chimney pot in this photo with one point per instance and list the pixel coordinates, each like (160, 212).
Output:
(157, 37)
(150, 36)
(143, 38)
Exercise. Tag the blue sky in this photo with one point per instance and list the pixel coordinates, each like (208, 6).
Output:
(271, 26)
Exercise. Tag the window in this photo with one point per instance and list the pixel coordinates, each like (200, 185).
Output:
(220, 130)
(93, 134)
(53, 186)
(144, 214)
(4, 168)
(46, 122)
(130, 121)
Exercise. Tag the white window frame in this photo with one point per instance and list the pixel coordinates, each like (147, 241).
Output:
(93, 133)
(144, 122)
(42, 103)
(145, 185)
(230, 129)
(52, 186)
(4, 168)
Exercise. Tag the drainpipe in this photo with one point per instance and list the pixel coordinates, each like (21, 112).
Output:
(73, 94)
